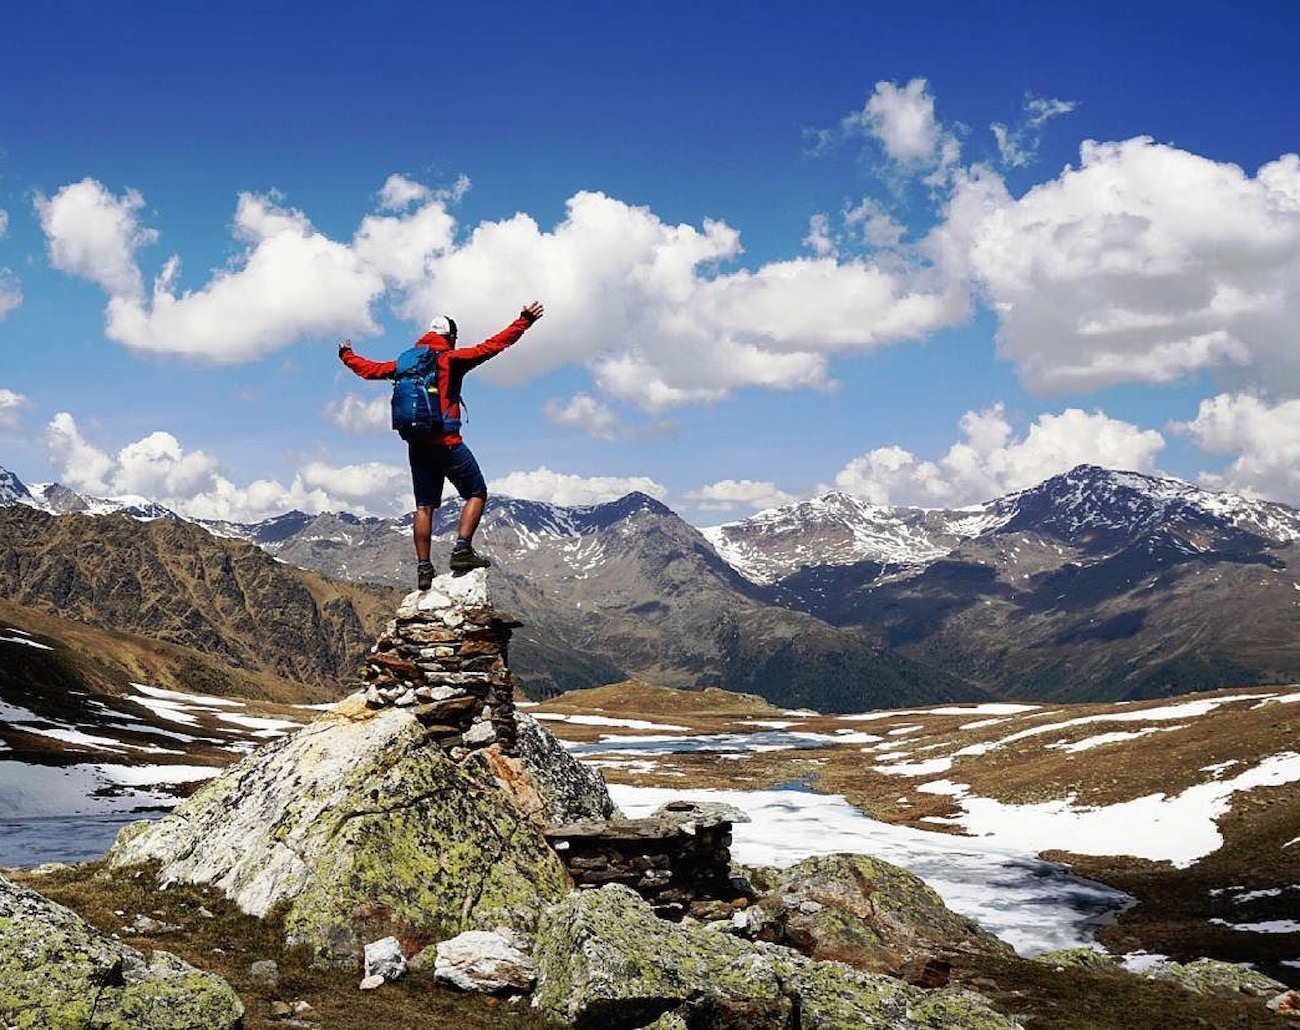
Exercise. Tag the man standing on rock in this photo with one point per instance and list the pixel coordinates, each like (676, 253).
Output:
(436, 452)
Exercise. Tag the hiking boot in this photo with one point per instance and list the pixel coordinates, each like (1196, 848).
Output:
(424, 576)
(465, 558)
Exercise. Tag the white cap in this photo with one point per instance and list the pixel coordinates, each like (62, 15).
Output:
(443, 325)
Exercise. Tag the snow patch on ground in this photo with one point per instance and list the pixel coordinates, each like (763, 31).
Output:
(1179, 829)
(1271, 926)
(25, 640)
(29, 791)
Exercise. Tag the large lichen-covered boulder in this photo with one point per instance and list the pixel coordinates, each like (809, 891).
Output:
(57, 971)
(1081, 958)
(360, 826)
(605, 960)
(857, 909)
(573, 791)
(1210, 976)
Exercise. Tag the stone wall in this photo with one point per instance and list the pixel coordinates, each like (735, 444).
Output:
(445, 656)
(678, 859)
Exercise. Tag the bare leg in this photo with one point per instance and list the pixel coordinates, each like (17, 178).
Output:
(422, 531)
(470, 515)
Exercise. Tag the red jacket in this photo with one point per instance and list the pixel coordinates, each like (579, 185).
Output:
(453, 363)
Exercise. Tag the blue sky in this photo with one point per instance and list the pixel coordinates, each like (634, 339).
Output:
(923, 256)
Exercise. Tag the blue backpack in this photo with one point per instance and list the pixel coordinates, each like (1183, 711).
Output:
(419, 410)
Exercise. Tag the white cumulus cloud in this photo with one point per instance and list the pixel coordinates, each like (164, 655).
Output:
(191, 483)
(1264, 436)
(729, 494)
(156, 466)
(583, 412)
(902, 118)
(290, 281)
(355, 414)
(356, 485)
(94, 235)
(1145, 264)
(543, 484)
(399, 192)
(11, 405)
(990, 460)
(646, 306)
(81, 465)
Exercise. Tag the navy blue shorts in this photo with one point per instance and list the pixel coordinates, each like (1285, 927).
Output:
(433, 463)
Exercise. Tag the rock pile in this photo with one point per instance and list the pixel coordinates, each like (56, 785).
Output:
(444, 656)
(678, 859)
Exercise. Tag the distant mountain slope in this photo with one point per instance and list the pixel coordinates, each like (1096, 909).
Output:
(628, 588)
(176, 582)
(1093, 585)
(837, 529)
(89, 661)
(1091, 506)
(14, 491)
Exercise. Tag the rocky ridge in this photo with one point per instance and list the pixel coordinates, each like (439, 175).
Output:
(175, 582)
(368, 825)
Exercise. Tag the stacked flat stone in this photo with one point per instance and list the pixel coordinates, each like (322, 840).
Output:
(445, 656)
(678, 859)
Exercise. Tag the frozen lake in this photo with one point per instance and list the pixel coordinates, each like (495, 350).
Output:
(1034, 906)
(75, 838)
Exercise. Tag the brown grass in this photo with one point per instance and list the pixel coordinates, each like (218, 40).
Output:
(230, 942)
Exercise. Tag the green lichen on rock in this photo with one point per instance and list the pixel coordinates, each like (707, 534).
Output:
(605, 960)
(668, 1021)
(441, 851)
(356, 826)
(57, 972)
(956, 1009)
(857, 909)
(1081, 958)
(1209, 976)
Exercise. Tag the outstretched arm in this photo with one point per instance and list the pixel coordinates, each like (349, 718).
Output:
(364, 367)
(468, 357)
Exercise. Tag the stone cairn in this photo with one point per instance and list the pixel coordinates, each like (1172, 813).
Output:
(444, 656)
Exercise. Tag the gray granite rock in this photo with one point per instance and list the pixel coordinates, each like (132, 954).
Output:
(56, 970)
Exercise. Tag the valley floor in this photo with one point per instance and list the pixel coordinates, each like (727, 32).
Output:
(1190, 805)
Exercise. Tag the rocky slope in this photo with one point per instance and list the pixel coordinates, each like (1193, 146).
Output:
(56, 970)
(371, 821)
(173, 581)
(605, 592)
(369, 836)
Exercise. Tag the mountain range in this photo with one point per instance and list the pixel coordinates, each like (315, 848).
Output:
(1093, 585)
